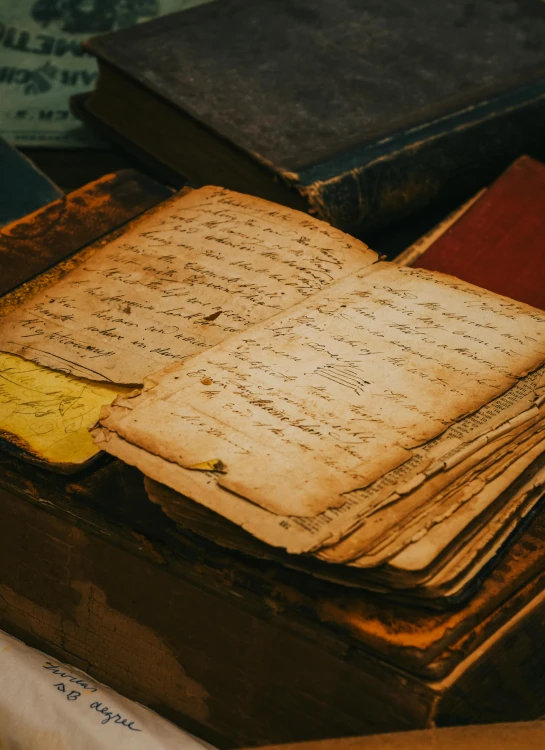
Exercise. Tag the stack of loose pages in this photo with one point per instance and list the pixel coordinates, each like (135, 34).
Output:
(373, 425)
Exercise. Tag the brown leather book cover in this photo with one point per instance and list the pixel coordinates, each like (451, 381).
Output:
(499, 242)
(52, 233)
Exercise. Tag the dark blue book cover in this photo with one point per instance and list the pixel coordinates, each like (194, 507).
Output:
(23, 187)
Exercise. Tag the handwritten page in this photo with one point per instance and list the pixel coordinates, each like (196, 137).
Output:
(300, 534)
(303, 534)
(184, 277)
(293, 448)
(332, 395)
(48, 414)
(46, 705)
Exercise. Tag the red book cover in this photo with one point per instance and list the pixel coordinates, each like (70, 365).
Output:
(499, 243)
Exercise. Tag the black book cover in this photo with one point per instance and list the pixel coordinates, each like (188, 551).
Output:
(369, 109)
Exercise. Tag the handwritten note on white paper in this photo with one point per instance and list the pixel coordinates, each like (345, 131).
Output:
(46, 705)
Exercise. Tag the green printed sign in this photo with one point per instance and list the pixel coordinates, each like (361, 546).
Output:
(42, 63)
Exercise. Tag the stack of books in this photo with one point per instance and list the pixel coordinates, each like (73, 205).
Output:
(291, 400)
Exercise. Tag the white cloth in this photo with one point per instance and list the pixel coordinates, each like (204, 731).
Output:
(46, 705)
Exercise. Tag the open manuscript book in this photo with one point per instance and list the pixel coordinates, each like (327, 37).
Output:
(374, 425)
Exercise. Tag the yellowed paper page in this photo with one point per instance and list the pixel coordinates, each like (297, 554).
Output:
(464, 490)
(424, 550)
(295, 534)
(466, 503)
(458, 572)
(202, 485)
(386, 531)
(284, 531)
(48, 414)
(180, 279)
(332, 395)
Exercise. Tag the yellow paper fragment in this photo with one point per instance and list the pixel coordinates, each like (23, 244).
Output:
(215, 464)
(49, 413)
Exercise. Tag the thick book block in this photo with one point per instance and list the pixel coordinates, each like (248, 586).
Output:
(23, 186)
(456, 484)
(97, 575)
(236, 650)
(360, 112)
(499, 242)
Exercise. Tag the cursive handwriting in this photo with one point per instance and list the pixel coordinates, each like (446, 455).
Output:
(56, 670)
(111, 716)
(355, 376)
(205, 266)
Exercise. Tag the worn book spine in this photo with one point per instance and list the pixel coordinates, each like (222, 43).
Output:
(375, 185)
(23, 186)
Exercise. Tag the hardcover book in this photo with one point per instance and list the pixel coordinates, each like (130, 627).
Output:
(96, 575)
(358, 112)
(498, 240)
(377, 426)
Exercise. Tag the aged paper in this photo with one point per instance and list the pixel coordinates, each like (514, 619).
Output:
(335, 393)
(185, 276)
(419, 554)
(47, 413)
(383, 533)
(378, 542)
(457, 573)
(298, 534)
(295, 534)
